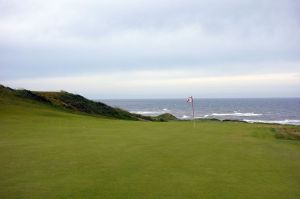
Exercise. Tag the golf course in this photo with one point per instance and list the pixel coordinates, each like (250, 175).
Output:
(47, 151)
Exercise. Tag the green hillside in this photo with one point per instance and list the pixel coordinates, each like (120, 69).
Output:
(76, 103)
(50, 149)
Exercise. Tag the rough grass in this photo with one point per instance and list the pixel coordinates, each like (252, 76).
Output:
(290, 133)
(49, 153)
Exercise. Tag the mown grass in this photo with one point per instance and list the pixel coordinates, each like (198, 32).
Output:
(48, 153)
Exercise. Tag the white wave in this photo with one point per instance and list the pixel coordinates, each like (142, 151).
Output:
(152, 113)
(148, 112)
(185, 117)
(294, 122)
(201, 117)
(237, 114)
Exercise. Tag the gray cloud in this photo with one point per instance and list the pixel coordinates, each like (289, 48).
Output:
(63, 37)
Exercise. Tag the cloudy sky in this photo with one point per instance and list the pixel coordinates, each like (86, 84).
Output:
(152, 48)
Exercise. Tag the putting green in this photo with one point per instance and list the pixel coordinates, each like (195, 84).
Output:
(48, 153)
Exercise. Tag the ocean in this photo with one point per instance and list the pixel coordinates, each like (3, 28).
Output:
(266, 110)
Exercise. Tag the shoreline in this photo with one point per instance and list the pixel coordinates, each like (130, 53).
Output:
(241, 121)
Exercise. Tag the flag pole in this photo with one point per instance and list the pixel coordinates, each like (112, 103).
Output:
(193, 111)
(193, 107)
(191, 100)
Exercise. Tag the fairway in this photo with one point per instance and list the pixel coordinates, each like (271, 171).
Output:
(48, 153)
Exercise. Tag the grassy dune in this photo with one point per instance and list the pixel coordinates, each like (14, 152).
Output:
(49, 153)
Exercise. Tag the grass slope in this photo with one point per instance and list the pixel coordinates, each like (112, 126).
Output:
(74, 103)
(46, 152)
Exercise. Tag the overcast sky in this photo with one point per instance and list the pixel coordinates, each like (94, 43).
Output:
(152, 48)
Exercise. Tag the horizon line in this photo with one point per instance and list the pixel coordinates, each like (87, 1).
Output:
(198, 98)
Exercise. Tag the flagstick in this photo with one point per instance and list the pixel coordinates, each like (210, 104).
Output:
(193, 112)
(191, 100)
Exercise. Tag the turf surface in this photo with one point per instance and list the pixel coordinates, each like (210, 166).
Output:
(48, 153)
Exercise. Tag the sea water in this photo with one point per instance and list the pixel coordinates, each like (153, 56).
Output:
(267, 110)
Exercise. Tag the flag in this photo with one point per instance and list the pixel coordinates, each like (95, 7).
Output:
(189, 99)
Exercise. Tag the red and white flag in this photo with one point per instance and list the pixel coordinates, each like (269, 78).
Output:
(189, 99)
